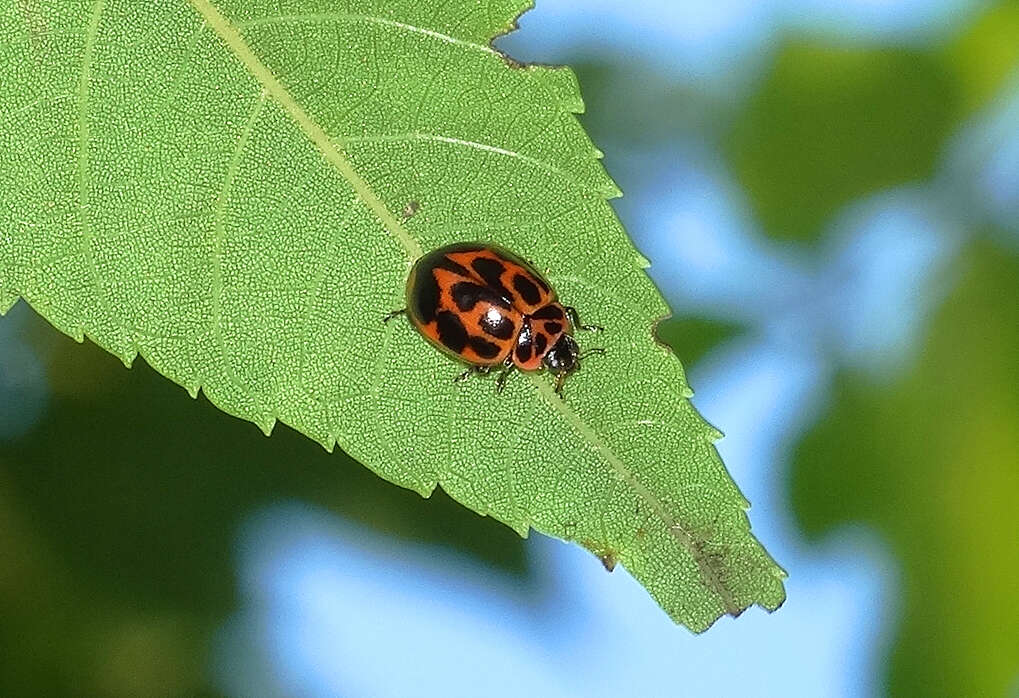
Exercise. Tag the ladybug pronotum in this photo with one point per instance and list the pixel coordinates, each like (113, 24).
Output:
(488, 307)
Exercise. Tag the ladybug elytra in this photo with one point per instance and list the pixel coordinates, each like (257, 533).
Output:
(488, 307)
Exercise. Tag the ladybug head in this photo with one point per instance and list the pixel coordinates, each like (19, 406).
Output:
(562, 357)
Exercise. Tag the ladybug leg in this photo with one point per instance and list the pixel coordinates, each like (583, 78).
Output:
(559, 380)
(470, 372)
(504, 374)
(395, 313)
(595, 350)
(575, 319)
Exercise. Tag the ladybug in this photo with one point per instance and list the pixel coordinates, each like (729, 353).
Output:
(488, 307)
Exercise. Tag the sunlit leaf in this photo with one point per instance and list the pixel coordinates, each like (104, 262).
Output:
(221, 189)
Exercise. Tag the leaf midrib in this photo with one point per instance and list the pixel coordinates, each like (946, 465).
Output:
(232, 37)
(274, 88)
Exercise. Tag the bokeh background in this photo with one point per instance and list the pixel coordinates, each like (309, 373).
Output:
(829, 194)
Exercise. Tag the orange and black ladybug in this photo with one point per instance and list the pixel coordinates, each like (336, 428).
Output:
(486, 306)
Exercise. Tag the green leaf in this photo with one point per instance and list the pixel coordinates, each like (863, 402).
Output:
(219, 188)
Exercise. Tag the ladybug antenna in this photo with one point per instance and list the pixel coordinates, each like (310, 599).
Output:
(585, 354)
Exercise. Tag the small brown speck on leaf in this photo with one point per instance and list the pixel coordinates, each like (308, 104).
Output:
(410, 210)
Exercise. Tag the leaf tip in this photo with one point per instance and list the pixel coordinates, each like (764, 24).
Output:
(266, 423)
(127, 358)
(425, 489)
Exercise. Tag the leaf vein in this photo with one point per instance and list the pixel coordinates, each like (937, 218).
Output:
(322, 268)
(84, 153)
(233, 39)
(328, 17)
(219, 238)
(449, 140)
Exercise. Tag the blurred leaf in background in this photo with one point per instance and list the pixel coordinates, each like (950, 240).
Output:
(119, 512)
(829, 124)
(984, 54)
(692, 337)
(929, 460)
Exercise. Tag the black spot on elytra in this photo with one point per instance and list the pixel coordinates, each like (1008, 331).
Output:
(540, 344)
(549, 312)
(524, 347)
(427, 299)
(484, 348)
(553, 327)
(497, 325)
(527, 290)
(467, 294)
(452, 332)
(491, 270)
(449, 265)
